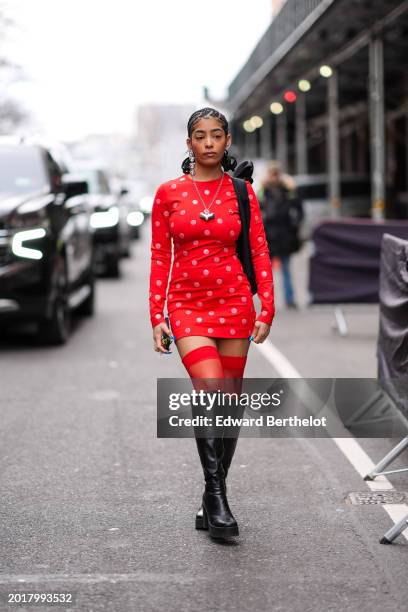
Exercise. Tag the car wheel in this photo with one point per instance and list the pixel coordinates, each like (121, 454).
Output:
(55, 330)
(113, 266)
(87, 308)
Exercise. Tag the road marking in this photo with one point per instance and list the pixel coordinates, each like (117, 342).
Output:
(278, 360)
(139, 576)
(350, 448)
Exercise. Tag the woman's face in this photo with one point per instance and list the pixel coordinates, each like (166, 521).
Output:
(208, 141)
(274, 176)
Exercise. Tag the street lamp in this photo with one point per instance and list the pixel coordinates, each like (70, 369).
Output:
(304, 85)
(276, 108)
(248, 126)
(325, 71)
(256, 121)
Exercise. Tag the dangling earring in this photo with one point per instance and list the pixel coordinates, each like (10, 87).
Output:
(192, 161)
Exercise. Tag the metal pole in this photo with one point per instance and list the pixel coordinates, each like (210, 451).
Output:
(281, 140)
(301, 142)
(377, 129)
(240, 144)
(333, 145)
(266, 144)
(406, 152)
(251, 149)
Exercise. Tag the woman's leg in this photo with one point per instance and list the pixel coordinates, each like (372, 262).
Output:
(287, 280)
(201, 359)
(233, 356)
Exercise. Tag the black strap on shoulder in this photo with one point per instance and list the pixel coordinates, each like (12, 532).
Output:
(243, 243)
(243, 200)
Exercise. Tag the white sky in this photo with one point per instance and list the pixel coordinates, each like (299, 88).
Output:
(90, 62)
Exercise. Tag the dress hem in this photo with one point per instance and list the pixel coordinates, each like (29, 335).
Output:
(216, 333)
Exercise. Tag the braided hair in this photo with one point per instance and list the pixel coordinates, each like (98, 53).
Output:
(228, 162)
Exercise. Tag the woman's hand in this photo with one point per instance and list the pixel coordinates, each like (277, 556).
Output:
(260, 331)
(157, 334)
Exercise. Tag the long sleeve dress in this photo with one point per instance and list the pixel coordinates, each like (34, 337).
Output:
(209, 294)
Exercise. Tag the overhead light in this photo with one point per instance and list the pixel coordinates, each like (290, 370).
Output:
(276, 108)
(325, 71)
(290, 96)
(304, 85)
(256, 121)
(248, 126)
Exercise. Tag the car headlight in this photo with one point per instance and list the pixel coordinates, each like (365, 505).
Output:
(106, 218)
(18, 239)
(146, 204)
(135, 218)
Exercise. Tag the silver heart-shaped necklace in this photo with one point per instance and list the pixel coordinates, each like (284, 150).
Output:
(206, 214)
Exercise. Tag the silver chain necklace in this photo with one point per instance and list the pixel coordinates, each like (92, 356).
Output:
(206, 214)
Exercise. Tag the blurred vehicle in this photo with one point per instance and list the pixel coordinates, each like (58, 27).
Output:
(135, 217)
(146, 204)
(46, 246)
(313, 191)
(108, 219)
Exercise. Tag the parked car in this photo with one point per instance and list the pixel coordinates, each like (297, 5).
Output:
(46, 246)
(135, 216)
(312, 189)
(111, 231)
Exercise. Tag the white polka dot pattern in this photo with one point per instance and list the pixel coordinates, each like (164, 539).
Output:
(207, 275)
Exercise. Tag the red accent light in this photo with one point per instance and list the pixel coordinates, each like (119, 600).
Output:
(290, 96)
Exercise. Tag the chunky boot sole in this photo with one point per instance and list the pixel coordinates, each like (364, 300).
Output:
(199, 520)
(219, 532)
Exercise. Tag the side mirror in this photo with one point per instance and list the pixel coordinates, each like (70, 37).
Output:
(73, 187)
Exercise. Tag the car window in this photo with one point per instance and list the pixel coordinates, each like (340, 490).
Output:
(97, 180)
(21, 169)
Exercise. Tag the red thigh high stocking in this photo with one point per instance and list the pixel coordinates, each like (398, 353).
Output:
(203, 362)
(234, 366)
(204, 367)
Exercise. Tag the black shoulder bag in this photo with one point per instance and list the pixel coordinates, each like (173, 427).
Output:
(243, 244)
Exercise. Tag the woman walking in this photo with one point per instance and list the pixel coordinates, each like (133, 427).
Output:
(209, 300)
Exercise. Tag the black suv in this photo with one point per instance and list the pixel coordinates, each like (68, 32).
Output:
(46, 244)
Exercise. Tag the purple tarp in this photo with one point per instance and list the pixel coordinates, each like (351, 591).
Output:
(345, 263)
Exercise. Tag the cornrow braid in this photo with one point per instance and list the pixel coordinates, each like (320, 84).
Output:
(228, 162)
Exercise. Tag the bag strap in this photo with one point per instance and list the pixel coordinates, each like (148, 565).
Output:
(243, 200)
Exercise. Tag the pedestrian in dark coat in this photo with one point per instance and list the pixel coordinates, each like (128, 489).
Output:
(282, 214)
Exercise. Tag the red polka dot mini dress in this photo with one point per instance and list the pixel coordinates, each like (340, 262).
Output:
(209, 294)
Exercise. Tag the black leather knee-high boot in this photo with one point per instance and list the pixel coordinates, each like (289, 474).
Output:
(229, 444)
(229, 450)
(217, 515)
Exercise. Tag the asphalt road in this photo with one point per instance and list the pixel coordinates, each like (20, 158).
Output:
(92, 503)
